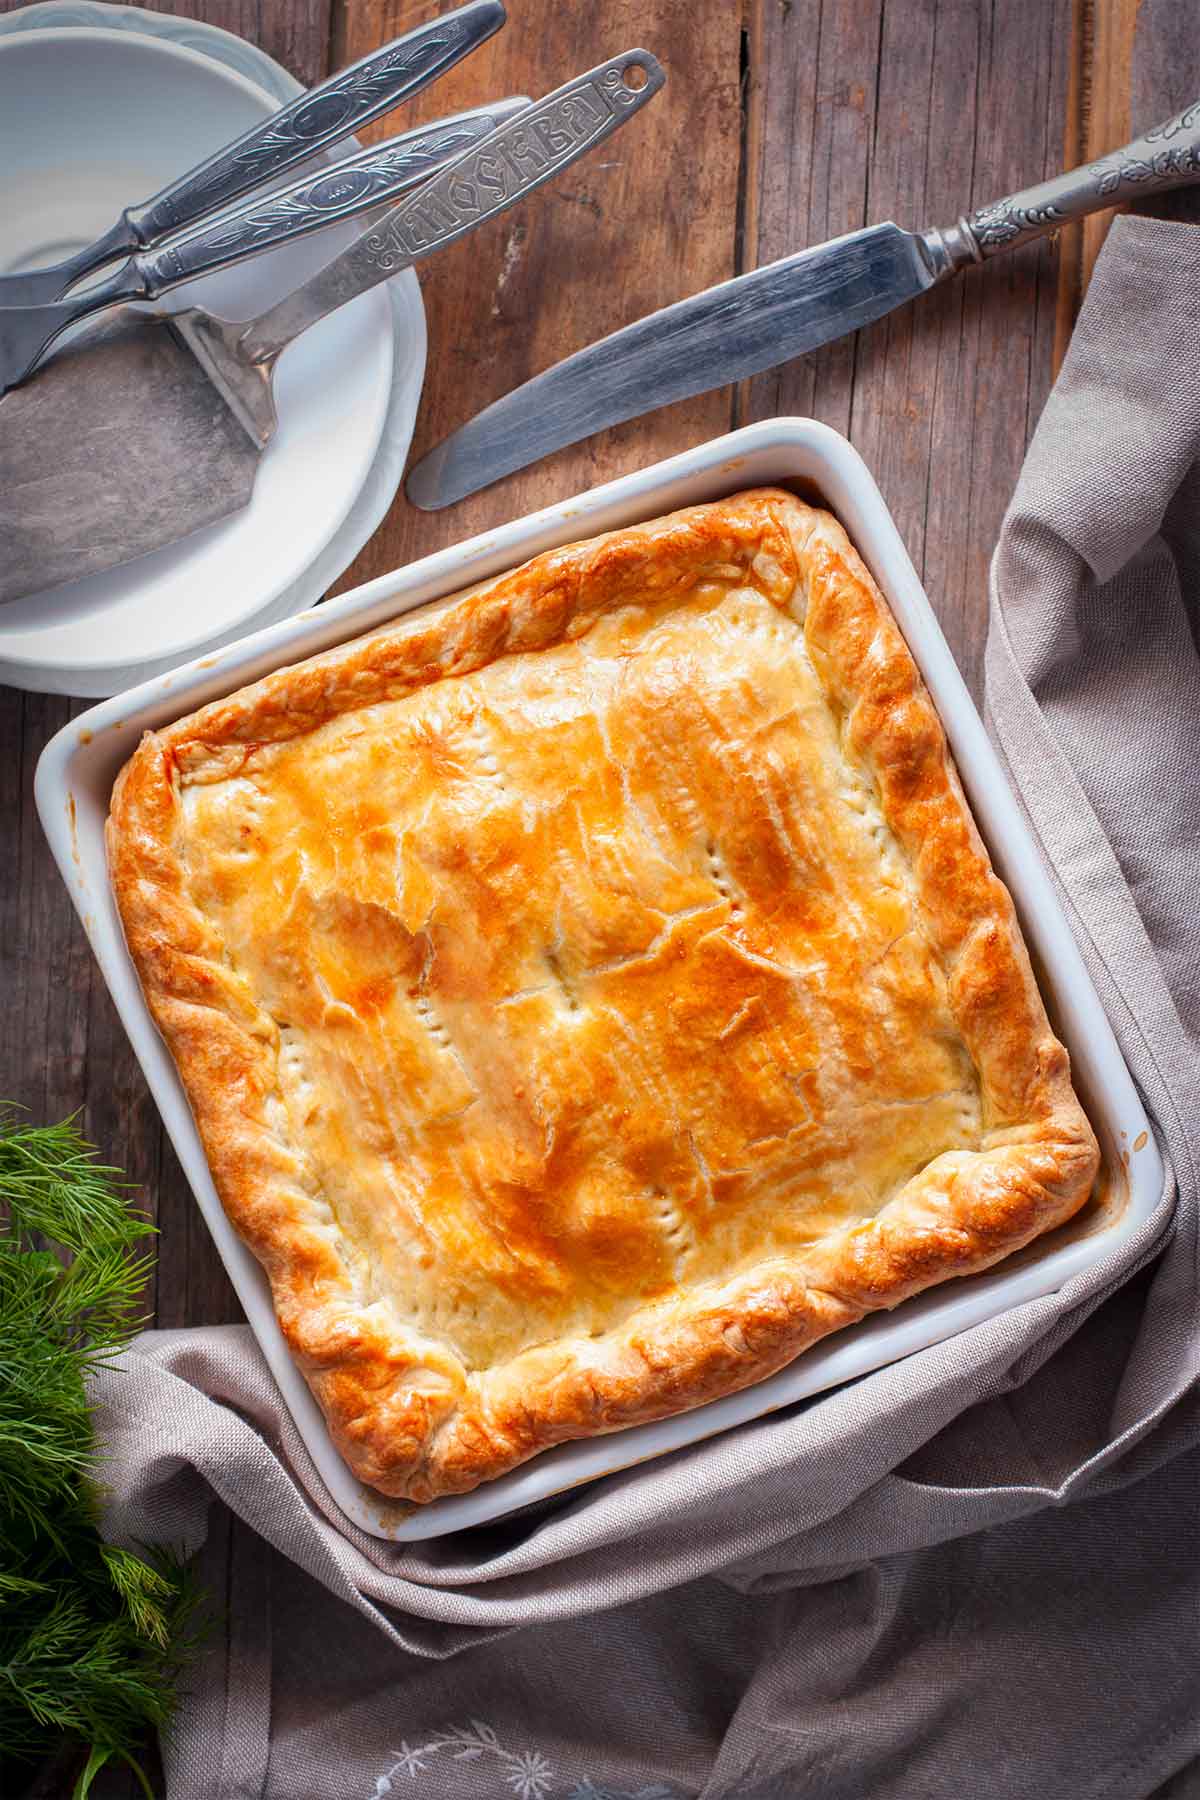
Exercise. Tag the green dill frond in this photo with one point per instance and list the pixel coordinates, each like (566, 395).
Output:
(149, 1593)
(53, 1182)
(91, 1636)
(13, 1585)
(76, 1662)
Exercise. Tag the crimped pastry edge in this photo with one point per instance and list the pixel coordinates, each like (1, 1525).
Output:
(402, 1411)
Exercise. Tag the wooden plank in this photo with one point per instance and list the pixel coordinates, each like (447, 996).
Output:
(650, 217)
(815, 66)
(877, 109)
(1164, 77)
(1075, 146)
(1097, 119)
(295, 32)
(43, 962)
(1135, 63)
(1106, 57)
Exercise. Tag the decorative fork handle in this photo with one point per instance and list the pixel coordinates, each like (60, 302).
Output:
(313, 121)
(344, 103)
(369, 179)
(1167, 156)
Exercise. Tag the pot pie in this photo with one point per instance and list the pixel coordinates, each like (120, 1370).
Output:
(591, 990)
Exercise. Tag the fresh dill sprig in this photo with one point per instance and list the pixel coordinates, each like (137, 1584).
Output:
(91, 1636)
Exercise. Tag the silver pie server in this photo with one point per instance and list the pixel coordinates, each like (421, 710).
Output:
(775, 313)
(337, 192)
(119, 447)
(40, 440)
(310, 123)
(38, 422)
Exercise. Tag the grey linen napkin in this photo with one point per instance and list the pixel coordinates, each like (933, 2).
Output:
(974, 1571)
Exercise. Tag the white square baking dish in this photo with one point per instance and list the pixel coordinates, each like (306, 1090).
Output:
(74, 781)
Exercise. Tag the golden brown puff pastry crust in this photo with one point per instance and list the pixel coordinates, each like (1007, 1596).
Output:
(592, 989)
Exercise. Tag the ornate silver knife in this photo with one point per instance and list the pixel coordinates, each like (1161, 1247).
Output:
(778, 312)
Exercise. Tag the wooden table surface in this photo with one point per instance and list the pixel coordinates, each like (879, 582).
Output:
(783, 122)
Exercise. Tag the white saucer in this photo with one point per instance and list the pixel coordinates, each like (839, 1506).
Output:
(100, 106)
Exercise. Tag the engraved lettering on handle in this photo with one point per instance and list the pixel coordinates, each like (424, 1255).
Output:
(543, 140)
(351, 98)
(1166, 156)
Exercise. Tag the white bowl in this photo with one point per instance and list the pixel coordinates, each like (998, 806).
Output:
(93, 119)
(74, 781)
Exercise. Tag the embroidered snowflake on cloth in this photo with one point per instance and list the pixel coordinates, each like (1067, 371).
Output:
(529, 1775)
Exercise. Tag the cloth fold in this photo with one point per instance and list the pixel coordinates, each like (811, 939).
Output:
(980, 1558)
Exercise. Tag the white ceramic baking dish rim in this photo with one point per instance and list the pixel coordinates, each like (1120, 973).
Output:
(73, 783)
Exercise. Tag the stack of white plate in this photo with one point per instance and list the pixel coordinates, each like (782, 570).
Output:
(100, 106)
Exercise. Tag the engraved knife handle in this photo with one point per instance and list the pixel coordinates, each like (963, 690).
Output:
(544, 139)
(1166, 156)
(372, 178)
(338, 106)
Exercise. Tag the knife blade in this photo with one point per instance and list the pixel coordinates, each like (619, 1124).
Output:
(737, 329)
(778, 312)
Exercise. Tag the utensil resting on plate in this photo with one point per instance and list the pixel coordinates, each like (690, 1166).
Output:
(144, 438)
(27, 332)
(313, 121)
(355, 185)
